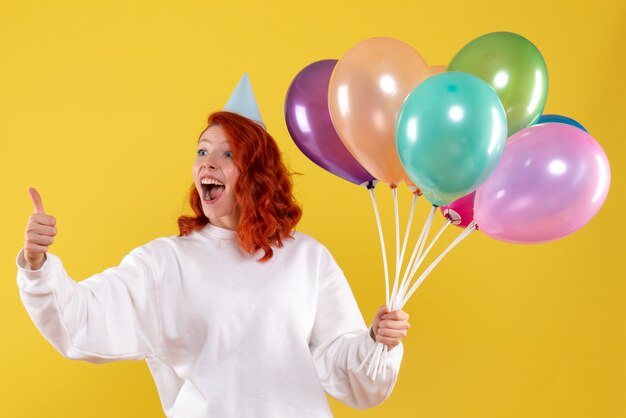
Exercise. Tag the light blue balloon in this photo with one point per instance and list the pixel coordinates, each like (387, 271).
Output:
(450, 135)
(560, 119)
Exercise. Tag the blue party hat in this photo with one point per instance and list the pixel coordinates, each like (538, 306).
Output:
(243, 102)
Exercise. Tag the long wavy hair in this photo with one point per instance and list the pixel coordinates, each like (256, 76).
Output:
(268, 211)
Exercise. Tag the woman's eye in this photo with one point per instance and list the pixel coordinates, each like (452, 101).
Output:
(228, 154)
(201, 152)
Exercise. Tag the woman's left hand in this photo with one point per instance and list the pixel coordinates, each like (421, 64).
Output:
(390, 328)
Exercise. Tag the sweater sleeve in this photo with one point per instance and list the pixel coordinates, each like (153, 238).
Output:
(109, 316)
(340, 341)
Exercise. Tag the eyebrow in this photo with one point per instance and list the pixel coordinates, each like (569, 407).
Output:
(211, 142)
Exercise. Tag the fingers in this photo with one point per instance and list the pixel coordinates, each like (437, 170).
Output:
(31, 249)
(36, 198)
(392, 328)
(41, 229)
(390, 337)
(394, 324)
(40, 232)
(392, 333)
(40, 225)
(42, 219)
(41, 239)
(397, 315)
(389, 342)
(379, 314)
(39, 235)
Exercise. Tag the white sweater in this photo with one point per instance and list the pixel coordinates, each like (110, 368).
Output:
(223, 335)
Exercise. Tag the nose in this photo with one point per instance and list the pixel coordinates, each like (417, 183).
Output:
(209, 162)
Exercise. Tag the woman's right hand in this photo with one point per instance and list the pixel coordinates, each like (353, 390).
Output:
(40, 233)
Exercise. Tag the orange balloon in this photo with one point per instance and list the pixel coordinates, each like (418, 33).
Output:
(366, 90)
(436, 69)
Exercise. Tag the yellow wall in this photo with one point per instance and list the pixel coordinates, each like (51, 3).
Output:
(100, 107)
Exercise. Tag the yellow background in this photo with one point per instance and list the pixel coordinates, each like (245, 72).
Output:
(100, 107)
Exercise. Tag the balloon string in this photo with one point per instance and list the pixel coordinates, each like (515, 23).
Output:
(422, 257)
(383, 363)
(408, 228)
(397, 221)
(418, 244)
(373, 367)
(379, 358)
(370, 368)
(369, 354)
(382, 357)
(382, 243)
(406, 239)
(399, 261)
(423, 243)
(368, 372)
(419, 262)
(375, 350)
(379, 361)
(464, 234)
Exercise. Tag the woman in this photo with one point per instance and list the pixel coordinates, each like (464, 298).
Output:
(238, 316)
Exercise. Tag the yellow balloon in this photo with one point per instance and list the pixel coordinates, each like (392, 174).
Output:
(366, 90)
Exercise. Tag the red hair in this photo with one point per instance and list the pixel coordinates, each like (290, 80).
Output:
(268, 211)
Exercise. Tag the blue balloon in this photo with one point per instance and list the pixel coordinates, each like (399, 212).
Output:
(560, 119)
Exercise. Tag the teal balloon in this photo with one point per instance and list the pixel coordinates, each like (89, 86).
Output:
(450, 135)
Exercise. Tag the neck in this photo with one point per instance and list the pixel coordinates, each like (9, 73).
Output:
(225, 223)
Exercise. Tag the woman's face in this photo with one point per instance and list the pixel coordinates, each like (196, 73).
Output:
(215, 175)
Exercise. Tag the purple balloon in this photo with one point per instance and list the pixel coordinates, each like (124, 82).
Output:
(310, 126)
(461, 211)
(552, 179)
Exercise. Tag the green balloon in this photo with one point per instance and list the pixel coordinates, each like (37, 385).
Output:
(450, 135)
(514, 68)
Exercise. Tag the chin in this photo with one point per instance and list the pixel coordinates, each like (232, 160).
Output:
(214, 213)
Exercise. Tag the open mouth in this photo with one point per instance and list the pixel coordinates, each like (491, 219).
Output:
(212, 192)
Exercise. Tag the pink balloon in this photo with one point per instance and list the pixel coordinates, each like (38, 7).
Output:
(552, 179)
(461, 211)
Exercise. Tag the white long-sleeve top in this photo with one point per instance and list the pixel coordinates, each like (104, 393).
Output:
(223, 335)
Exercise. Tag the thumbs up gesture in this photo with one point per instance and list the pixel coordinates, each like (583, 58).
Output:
(40, 233)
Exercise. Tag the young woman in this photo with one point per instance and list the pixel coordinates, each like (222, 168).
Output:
(238, 316)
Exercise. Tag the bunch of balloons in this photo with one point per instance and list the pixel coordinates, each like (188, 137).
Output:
(471, 136)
